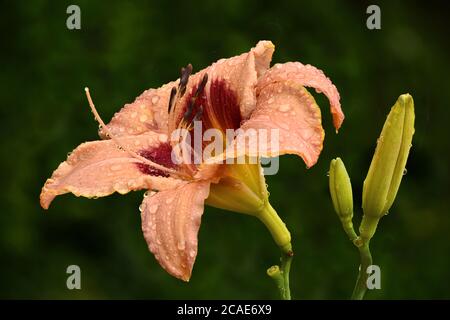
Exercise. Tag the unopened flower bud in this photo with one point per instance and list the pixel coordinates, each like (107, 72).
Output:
(341, 195)
(388, 164)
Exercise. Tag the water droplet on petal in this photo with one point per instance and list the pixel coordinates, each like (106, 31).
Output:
(153, 208)
(162, 138)
(192, 253)
(116, 167)
(155, 99)
(405, 171)
(284, 108)
(181, 245)
(141, 208)
(121, 188)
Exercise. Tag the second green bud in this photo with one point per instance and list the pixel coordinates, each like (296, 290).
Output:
(342, 195)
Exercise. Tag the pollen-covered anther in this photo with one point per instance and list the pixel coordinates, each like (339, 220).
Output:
(173, 93)
(199, 114)
(187, 115)
(188, 125)
(184, 78)
(202, 85)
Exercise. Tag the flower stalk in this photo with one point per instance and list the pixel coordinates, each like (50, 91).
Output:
(282, 238)
(366, 260)
(281, 275)
(276, 227)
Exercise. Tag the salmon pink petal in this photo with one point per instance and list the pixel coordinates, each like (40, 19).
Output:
(99, 168)
(230, 88)
(291, 110)
(147, 112)
(309, 76)
(170, 222)
(241, 74)
(286, 120)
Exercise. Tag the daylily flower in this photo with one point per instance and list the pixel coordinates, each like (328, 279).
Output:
(239, 92)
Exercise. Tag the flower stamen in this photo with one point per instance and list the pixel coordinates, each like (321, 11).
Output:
(173, 92)
(184, 78)
(202, 85)
(120, 145)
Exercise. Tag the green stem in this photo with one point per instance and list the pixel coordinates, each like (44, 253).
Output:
(281, 276)
(282, 238)
(275, 273)
(347, 225)
(286, 260)
(276, 226)
(366, 261)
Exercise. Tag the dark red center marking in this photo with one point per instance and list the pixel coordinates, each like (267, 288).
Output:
(221, 110)
(160, 155)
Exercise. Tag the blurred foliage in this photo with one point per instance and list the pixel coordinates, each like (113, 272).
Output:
(124, 48)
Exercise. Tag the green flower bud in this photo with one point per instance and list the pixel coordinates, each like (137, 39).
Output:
(388, 164)
(341, 195)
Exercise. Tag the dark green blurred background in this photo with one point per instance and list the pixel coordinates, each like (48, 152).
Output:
(124, 48)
